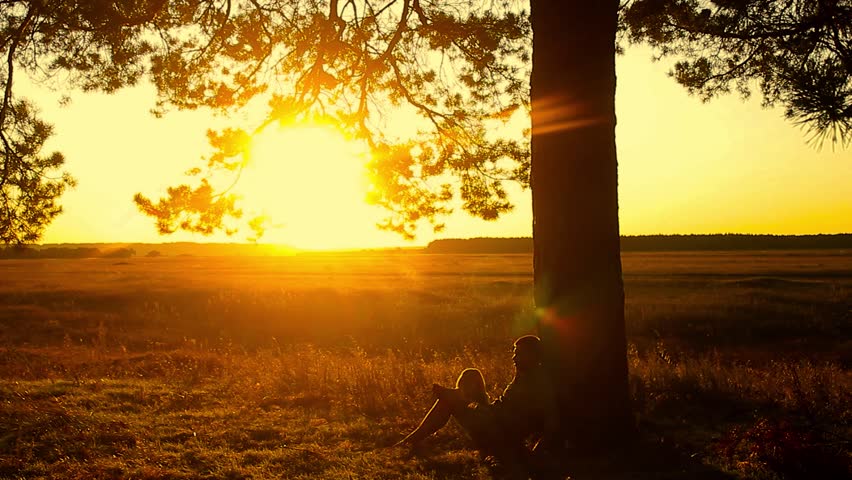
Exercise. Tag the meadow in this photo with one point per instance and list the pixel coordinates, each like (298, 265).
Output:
(311, 366)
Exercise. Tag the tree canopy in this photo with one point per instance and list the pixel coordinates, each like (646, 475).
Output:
(461, 66)
(797, 53)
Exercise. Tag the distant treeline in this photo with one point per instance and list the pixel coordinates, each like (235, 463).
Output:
(125, 250)
(658, 243)
(60, 252)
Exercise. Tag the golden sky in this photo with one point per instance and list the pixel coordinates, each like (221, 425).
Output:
(684, 167)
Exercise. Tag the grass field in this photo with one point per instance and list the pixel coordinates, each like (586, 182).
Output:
(307, 366)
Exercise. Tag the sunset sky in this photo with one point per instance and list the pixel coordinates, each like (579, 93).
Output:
(684, 167)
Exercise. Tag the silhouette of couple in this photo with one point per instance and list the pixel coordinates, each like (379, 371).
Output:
(501, 430)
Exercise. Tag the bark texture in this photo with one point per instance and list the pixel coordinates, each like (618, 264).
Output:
(577, 262)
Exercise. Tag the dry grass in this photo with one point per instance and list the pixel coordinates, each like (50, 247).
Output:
(306, 367)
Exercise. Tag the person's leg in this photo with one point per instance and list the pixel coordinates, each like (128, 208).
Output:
(504, 455)
(470, 387)
(544, 460)
(435, 419)
(479, 424)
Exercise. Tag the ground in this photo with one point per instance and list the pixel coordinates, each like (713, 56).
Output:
(311, 366)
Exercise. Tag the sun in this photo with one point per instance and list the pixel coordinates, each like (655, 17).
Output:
(311, 182)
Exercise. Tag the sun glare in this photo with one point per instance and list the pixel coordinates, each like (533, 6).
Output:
(311, 182)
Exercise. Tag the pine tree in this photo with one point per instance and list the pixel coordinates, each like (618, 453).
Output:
(463, 67)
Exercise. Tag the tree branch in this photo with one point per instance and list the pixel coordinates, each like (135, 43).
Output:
(7, 94)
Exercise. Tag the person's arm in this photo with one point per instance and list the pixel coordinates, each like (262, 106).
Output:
(510, 403)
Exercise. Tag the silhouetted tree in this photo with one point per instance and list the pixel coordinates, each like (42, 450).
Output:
(576, 257)
(461, 66)
(95, 45)
(797, 53)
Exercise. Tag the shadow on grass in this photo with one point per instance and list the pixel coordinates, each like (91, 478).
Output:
(649, 457)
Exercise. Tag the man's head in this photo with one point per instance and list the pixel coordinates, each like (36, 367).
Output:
(527, 353)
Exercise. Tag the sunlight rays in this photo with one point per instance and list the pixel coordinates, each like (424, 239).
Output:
(556, 114)
(311, 183)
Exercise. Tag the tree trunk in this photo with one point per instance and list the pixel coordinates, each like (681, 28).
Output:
(578, 284)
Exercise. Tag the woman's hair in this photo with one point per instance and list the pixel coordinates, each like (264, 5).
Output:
(471, 382)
